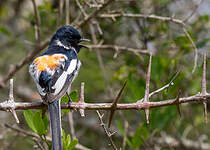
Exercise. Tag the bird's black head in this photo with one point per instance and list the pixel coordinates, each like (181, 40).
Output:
(67, 37)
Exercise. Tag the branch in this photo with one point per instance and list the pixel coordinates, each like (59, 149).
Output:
(38, 22)
(15, 68)
(108, 106)
(145, 16)
(118, 48)
(204, 86)
(195, 48)
(93, 14)
(60, 13)
(109, 135)
(67, 12)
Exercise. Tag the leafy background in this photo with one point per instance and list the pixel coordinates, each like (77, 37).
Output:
(173, 51)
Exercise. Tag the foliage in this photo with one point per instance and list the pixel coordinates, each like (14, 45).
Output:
(172, 52)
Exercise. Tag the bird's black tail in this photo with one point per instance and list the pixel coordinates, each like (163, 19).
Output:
(55, 123)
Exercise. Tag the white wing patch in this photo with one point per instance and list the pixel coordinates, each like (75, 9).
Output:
(62, 79)
(35, 73)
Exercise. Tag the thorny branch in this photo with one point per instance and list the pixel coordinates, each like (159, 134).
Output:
(108, 106)
(109, 135)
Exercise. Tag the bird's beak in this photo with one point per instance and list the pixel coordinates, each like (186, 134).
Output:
(83, 40)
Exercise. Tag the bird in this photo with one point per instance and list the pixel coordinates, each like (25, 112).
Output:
(54, 71)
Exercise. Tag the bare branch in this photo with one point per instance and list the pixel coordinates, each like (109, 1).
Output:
(145, 16)
(120, 48)
(109, 135)
(195, 48)
(93, 14)
(22, 131)
(81, 8)
(193, 12)
(204, 87)
(38, 144)
(165, 86)
(125, 134)
(67, 12)
(38, 23)
(71, 123)
(60, 13)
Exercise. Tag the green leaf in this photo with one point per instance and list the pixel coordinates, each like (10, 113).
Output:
(73, 144)
(28, 114)
(39, 123)
(35, 121)
(74, 96)
(45, 120)
(67, 143)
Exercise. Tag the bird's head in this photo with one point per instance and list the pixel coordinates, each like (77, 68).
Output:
(67, 37)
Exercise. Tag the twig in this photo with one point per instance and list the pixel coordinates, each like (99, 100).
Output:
(109, 135)
(22, 131)
(81, 8)
(125, 134)
(71, 123)
(204, 87)
(165, 86)
(120, 48)
(114, 104)
(60, 13)
(145, 16)
(67, 12)
(194, 10)
(38, 23)
(38, 144)
(195, 49)
(26, 60)
(93, 14)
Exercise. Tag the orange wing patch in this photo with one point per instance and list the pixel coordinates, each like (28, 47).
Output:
(45, 61)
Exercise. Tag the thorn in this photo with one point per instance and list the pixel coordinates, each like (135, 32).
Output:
(177, 104)
(114, 104)
(81, 99)
(147, 115)
(14, 115)
(205, 112)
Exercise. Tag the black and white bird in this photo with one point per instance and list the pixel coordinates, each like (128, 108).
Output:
(54, 71)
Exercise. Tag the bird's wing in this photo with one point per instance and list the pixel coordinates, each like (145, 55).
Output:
(53, 74)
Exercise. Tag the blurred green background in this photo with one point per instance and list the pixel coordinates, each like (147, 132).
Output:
(172, 52)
